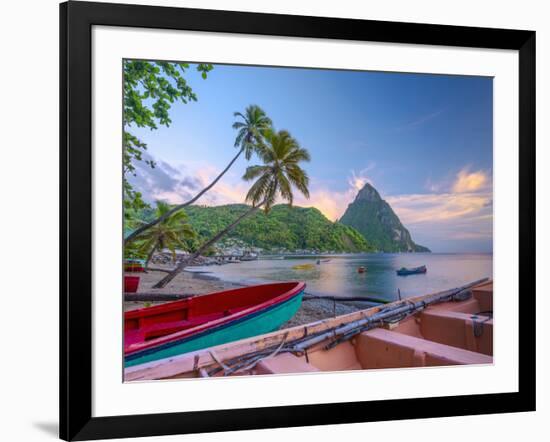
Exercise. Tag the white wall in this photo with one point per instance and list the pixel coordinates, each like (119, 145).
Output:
(28, 220)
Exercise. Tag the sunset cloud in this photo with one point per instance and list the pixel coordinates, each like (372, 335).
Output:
(459, 210)
(331, 204)
(430, 208)
(470, 181)
(358, 180)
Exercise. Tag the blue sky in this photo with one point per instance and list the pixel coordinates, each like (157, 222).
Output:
(424, 141)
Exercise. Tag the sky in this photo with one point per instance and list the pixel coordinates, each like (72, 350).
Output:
(423, 141)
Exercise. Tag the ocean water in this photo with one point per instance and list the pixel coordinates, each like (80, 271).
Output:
(339, 276)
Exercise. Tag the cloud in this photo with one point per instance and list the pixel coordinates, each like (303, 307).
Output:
(163, 182)
(438, 207)
(432, 186)
(190, 183)
(358, 180)
(168, 168)
(420, 120)
(458, 210)
(467, 181)
(332, 203)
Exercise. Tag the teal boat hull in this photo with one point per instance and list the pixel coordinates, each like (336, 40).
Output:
(263, 321)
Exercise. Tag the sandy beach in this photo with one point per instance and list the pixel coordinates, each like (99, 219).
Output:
(192, 283)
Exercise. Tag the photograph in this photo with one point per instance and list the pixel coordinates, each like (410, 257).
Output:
(284, 220)
(275, 220)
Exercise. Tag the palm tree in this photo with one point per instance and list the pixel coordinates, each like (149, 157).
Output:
(281, 156)
(168, 233)
(254, 123)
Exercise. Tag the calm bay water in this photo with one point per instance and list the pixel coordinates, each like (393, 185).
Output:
(339, 276)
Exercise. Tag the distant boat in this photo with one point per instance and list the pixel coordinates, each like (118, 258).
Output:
(303, 266)
(134, 265)
(249, 257)
(403, 271)
(204, 321)
(361, 269)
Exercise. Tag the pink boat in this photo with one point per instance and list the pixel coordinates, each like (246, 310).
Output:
(443, 329)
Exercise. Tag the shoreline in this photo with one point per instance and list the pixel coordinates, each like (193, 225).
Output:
(200, 283)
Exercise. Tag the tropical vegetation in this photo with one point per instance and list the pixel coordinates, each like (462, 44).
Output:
(150, 90)
(172, 234)
(277, 177)
(250, 131)
(283, 228)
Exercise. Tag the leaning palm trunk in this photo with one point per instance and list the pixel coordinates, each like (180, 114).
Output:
(168, 278)
(144, 227)
(150, 256)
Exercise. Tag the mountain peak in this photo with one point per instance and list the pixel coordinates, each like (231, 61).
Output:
(368, 193)
(373, 217)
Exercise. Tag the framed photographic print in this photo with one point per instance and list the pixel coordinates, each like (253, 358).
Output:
(273, 220)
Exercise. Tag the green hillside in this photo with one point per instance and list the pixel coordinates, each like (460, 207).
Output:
(289, 228)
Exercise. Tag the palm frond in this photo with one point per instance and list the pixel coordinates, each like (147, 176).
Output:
(259, 189)
(298, 155)
(280, 173)
(254, 123)
(285, 188)
(254, 172)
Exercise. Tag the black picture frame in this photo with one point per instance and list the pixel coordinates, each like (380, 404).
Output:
(76, 21)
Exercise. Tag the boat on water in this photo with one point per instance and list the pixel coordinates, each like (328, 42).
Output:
(403, 271)
(204, 321)
(361, 269)
(304, 267)
(453, 327)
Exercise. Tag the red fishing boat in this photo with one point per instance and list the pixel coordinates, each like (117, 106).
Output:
(204, 321)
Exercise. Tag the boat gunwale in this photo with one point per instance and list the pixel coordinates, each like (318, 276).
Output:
(152, 344)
